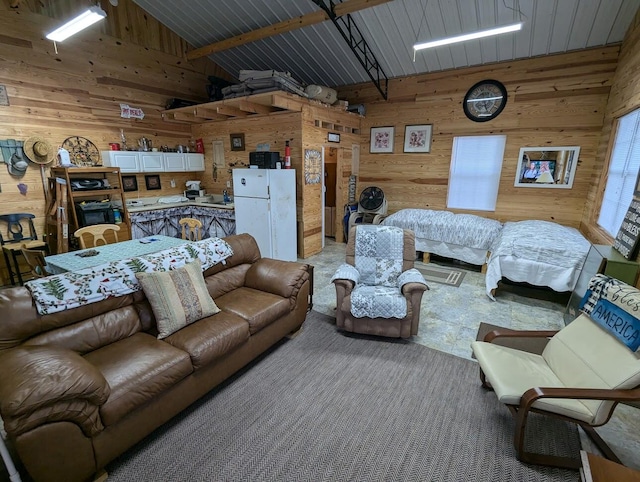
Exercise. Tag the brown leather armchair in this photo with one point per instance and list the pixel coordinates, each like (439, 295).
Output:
(409, 293)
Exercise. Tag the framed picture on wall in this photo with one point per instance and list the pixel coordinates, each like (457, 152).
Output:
(417, 138)
(381, 139)
(547, 167)
(129, 183)
(153, 182)
(237, 142)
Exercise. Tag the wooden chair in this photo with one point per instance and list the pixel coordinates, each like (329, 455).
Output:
(14, 238)
(35, 260)
(92, 236)
(580, 377)
(191, 229)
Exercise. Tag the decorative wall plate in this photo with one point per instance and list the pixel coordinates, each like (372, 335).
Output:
(312, 166)
(485, 100)
(82, 152)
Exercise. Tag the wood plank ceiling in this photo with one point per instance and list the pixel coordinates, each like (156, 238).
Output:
(317, 54)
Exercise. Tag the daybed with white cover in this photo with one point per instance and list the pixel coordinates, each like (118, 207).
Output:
(540, 253)
(465, 237)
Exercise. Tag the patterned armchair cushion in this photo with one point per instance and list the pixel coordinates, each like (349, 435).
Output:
(378, 254)
(378, 302)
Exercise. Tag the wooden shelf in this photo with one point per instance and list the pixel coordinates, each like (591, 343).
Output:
(97, 192)
(267, 103)
(113, 194)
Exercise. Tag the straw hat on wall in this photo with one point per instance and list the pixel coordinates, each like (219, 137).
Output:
(38, 150)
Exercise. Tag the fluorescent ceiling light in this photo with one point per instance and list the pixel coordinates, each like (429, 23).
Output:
(469, 36)
(73, 26)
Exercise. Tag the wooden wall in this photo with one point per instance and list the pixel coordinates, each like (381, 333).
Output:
(317, 123)
(624, 98)
(78, 91)
(306, 129)
(555, 100)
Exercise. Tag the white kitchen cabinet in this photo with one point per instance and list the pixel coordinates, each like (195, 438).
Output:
(127, 161)
(152, 161)
(175, 161)
(195, 162)
(135, 161)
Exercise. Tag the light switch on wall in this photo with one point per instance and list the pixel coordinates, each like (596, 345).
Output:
(173, 183)
(228, 183)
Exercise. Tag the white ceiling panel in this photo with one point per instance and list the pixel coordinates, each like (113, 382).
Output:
(319, 54)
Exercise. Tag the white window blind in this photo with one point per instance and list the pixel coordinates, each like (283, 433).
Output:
(623, 172)
(476, 162)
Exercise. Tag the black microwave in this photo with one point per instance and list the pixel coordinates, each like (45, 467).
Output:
(264, 160)
(94, 212)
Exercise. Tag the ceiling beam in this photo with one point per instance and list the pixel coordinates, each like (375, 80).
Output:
(231, 111)
(295, 23)
(254, 108)
(209, 114)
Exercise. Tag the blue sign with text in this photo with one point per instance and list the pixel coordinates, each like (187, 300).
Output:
(618, 322)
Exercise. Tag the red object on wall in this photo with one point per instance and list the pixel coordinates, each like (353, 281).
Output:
(199, 146)
(287, 155)
(114, 146)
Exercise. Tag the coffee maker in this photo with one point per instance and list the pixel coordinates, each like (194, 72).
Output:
(193, 190)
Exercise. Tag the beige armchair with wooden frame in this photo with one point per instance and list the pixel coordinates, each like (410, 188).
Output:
(580, 377)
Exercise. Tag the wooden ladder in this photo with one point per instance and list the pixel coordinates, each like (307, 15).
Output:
(57, 224)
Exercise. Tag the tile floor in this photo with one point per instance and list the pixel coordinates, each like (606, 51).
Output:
(450, 318)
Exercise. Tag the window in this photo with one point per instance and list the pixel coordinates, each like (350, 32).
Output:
(476, 162)
(623, 172)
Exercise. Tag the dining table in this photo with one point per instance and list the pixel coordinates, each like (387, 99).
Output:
(87, 258)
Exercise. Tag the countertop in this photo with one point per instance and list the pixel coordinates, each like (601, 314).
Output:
(137, 208)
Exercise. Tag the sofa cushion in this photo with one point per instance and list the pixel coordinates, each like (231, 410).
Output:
(259, 308)
(211, 337)
(137, 369)
(92, 333)
(177, 297)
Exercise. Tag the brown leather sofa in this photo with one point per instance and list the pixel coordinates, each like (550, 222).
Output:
(79, 387)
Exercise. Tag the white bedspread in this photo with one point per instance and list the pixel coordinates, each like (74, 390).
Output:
(461, 229)
(537, 252)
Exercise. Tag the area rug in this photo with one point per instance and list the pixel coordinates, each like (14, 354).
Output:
(445, 276)
(327, 406)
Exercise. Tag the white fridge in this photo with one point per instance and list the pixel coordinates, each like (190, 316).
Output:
(265, 207)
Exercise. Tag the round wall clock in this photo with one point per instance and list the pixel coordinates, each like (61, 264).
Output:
(312, 166)
(485, 100)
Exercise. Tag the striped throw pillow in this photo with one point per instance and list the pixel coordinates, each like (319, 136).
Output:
(177, 297)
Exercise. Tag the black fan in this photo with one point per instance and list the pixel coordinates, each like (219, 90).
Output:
(371, 198)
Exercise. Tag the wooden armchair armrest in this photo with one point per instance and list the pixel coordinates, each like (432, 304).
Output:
(506, 332)
(619, 395)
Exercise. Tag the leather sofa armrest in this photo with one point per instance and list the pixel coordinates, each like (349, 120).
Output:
(34, 377)
(283, 278)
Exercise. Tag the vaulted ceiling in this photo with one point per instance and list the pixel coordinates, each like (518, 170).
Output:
(318, 54)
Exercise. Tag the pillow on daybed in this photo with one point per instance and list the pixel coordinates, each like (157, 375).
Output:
(177, 297)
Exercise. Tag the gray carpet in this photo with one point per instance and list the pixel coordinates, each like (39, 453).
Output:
(327, 406)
